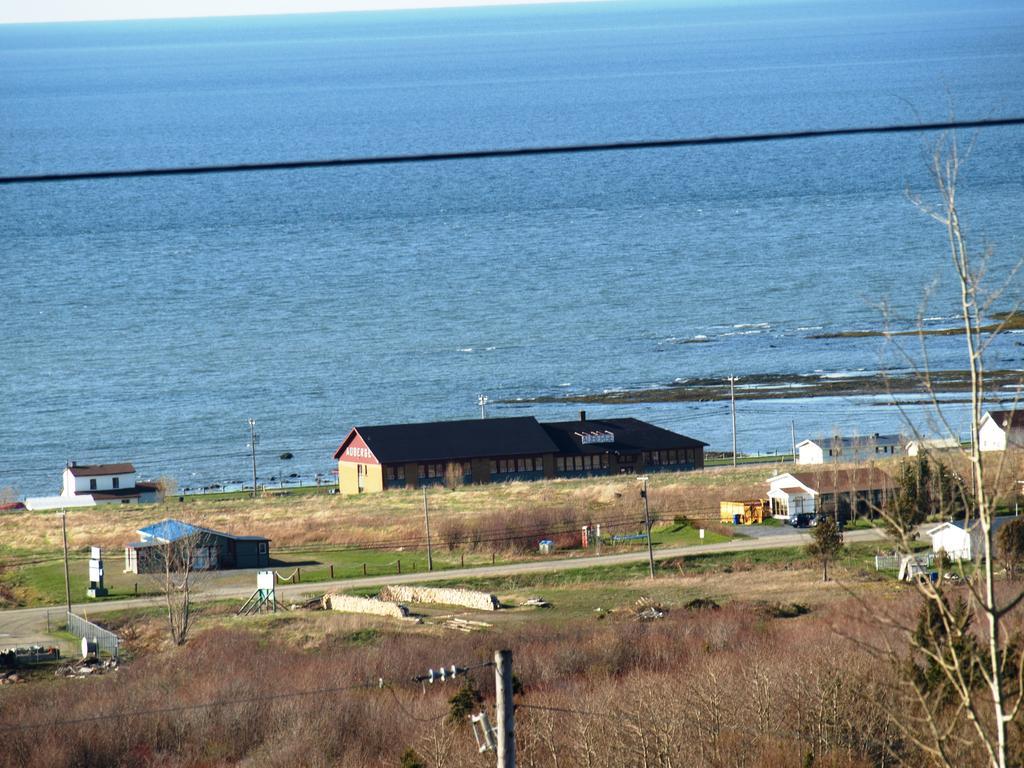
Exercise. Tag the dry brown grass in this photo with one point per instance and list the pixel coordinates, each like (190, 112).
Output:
(698, 688)
(295, 521)
(300, 520)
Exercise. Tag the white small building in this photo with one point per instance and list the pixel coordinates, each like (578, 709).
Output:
(999, 430)
(959, 543)
(849, 449)
(107, 484)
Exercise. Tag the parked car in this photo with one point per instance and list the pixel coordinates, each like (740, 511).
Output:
(803, 520)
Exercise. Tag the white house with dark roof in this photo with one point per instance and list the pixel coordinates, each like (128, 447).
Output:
(849, 449)
(851, 492)
(107, 484)
(999, 430)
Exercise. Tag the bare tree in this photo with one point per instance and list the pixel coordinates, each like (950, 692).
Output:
(178, 568)
(167, 486)
(961, 668)
(1010, 540)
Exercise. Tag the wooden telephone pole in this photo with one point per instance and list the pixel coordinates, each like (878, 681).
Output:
(506, 746)
(732, 400)
(647, 524)
(252, 445)
(67, 577)
(426, 524)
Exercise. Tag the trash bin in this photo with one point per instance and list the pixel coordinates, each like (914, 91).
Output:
(736, 519)
(546, 546)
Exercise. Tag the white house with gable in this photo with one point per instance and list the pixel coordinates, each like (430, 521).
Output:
(849, 449)
(1000, 430)
(107, 484)
(848, 492)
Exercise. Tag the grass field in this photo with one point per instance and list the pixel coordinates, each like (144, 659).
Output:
(314, 531)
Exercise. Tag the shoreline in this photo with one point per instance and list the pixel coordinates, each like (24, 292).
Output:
(777, 386)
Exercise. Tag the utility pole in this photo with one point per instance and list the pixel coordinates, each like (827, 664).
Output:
(64, 535)
(505, 709)
(426, 524)
(792, 436)
(732, 399)
(647, 524)
(252, 445)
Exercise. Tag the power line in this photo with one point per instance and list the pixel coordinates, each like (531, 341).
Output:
(8, 727)
(124, 714)
(482, 154)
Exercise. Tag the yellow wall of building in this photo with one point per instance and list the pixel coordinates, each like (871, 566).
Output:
(348, 477)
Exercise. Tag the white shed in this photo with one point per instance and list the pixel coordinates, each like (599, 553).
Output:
(963, 544)
(952, 540)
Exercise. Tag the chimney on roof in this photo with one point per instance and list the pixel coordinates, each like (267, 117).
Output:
(583, 415)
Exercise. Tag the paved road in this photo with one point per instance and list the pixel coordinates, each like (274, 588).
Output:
(24, 626)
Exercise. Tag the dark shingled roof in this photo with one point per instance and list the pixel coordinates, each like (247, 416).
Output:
(845, 480)
(630, 436)
(454, 440)
(1008, 419)
(92, 470)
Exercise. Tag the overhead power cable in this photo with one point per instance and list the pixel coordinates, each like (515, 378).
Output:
(124, 714)
(484, 154)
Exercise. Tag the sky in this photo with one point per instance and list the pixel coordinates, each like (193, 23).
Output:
(16, 11)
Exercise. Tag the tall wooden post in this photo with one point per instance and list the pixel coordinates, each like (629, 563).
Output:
(64, 535)
(505, 709)
(732, 400)
(252, 445)
(426, 524)
(647, 525)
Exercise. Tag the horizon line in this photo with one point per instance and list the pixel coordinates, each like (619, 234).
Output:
(308, 8)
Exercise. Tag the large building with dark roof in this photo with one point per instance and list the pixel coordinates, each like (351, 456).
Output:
(518, 448)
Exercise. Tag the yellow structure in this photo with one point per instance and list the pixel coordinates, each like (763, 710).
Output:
(360, 478)
(746, 512)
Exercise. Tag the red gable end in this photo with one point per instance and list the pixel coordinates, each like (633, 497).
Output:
(355, 450)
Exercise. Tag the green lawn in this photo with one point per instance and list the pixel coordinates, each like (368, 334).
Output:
(682, 535)
(767, 459)
(43, 583)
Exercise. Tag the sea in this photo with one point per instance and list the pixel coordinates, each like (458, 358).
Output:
(148, 319)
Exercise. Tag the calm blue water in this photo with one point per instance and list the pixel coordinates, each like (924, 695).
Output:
(145, 320)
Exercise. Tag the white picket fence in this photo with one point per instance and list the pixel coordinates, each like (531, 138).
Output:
(892, 562)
